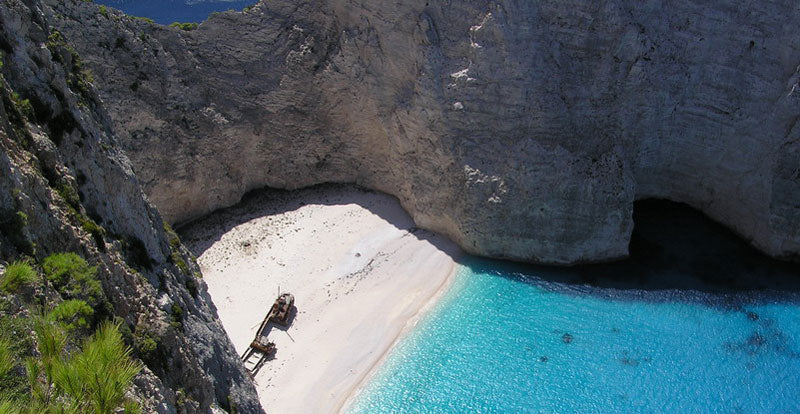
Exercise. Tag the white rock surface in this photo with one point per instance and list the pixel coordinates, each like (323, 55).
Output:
(519, 129)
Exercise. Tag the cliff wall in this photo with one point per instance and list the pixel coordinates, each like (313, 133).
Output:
(65, 186)
(520, 129)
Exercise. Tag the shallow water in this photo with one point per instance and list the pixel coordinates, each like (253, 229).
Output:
(169, 11)
(505, 341)
(695, 321)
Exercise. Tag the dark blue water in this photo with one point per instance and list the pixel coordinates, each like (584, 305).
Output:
(169, 11)
(696, 322)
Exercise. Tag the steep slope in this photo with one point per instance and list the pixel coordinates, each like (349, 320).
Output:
(66, 186)
(519, 129)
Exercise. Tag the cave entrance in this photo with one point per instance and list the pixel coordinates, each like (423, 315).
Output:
(676, 249)
(674, 246)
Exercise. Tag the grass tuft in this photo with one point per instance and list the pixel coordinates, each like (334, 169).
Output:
(18, 275)
(73, 278)
(71, 314)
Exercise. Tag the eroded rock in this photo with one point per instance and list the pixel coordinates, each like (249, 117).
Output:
(521, 130)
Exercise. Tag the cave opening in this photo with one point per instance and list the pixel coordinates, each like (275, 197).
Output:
(678, 247)
(676, 252)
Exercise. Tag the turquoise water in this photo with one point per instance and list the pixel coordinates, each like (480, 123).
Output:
(168, 11)
(504, 340)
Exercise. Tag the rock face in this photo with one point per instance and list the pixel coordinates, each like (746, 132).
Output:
(520, 129)
(66, 186)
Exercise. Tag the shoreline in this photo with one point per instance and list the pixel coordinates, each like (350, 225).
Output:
(362, 274)
(434, 300)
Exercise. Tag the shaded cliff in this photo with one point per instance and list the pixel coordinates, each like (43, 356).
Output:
(65, 185)
(519, 129)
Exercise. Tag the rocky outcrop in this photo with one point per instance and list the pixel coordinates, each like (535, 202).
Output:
(521, 130)
(65, 185)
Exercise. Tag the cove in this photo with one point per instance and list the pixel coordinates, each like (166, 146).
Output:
(695, 322)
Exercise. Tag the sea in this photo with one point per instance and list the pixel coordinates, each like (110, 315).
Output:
(696, 322)
(170, 11)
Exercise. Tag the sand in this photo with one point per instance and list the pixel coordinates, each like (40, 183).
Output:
(360, 271)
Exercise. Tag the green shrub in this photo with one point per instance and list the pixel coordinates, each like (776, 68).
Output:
(72, 314)
(184, 26)
(191, 286)
(132, 407)
(16, 338)
(17, 275)
(22, 218)
(144, 19)
(90, 379)
(73, 277)
(177, 312)
(79, 79)
(51, 340)
(124, 330)
(145, 345)
(23, 106)
(68, 192)
(7, 360)
(7, 363)
(178, 260)
(175, 249)
(95, 230)
(8, 407)
(96, 378)
(174, 239)
(104, 11)
(177, 316)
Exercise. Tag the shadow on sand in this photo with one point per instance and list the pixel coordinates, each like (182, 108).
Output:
(284, 328)
(676, 253)
(201, 234)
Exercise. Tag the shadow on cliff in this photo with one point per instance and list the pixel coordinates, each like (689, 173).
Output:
(201, 234)
(676, 253)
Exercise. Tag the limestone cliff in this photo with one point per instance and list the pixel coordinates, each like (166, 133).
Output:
(520, 129)
(65, 185)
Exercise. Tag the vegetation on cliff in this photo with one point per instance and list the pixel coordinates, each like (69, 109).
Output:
(184, 26)
(55, 354)
(85, 262)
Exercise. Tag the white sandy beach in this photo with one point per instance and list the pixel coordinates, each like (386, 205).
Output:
(360, 272)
